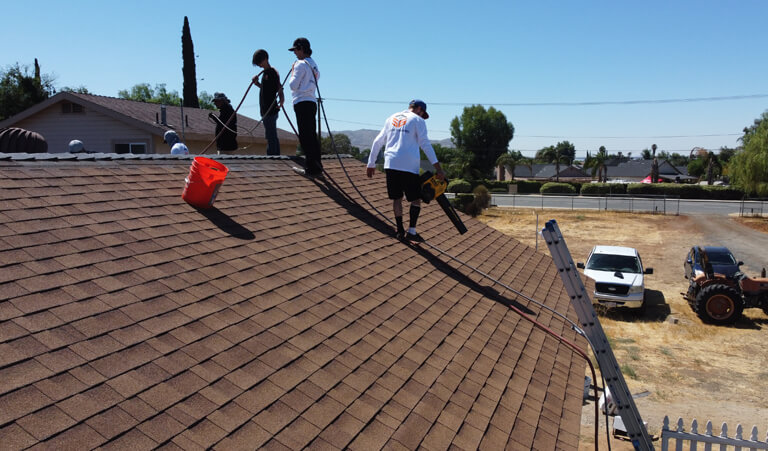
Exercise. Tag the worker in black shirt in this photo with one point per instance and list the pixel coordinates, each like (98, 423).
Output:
(226, 129)
(269, 93)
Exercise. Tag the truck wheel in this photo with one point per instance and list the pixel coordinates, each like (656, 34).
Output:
(719, 304)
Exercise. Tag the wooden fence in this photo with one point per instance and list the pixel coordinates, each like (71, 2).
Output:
(707, 439)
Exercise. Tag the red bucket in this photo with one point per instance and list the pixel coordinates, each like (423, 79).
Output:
(203, 182)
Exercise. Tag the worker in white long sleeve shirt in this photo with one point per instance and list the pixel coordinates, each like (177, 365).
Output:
(303, 84)
(402, 136)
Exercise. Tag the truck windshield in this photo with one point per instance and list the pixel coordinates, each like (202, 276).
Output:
(621, 263)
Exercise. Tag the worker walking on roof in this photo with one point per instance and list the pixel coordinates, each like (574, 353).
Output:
(226, 124)
(303, 84)
(269, 93)
(403, 134)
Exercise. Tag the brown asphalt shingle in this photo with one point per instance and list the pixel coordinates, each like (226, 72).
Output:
(287, 316)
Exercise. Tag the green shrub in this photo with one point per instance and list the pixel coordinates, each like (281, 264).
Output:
(491, 184)
(685, 191)
(500, 190)
(527, 186)
(603, 189)
(459, 186)
(723, 192)
(559, 188)
(481, 199)
(461, 200)
(576, 186)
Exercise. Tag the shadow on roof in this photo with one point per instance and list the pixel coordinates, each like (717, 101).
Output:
(332, 189)
(224, 222)
(465, 280)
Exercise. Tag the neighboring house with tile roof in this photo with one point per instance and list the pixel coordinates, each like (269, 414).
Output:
(286, 316)
(112, 125)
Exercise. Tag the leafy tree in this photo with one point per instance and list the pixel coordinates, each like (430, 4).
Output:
(753, 129)
(19, 90)
(343, 145)
(677, 159)
(188, 69)
(646, 154)
(726, 154)
(696, 167)
(206, 101)
(444, 154)
(749, 166)
(78, 90)
(484, 134)
(510, 161)
(461, 166)
(143, 92)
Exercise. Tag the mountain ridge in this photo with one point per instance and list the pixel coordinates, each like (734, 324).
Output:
(363, 138)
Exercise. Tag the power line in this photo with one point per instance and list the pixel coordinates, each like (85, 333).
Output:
(587, 103)
(708, 135)
(631, 137)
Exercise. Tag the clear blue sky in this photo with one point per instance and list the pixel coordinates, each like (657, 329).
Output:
(448, 53)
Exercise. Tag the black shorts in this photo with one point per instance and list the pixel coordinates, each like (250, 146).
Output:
(399, 182)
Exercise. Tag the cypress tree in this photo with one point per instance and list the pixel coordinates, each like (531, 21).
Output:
(188, 69)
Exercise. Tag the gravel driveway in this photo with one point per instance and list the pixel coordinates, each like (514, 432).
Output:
(747, 245)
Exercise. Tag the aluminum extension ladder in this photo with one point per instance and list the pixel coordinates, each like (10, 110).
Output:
(594, 333)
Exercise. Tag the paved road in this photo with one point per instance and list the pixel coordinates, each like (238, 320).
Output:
(660, 205)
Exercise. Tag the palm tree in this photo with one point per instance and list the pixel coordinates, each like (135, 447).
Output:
(510, 161)
(551, 155)
(654, 165)
(597, 163)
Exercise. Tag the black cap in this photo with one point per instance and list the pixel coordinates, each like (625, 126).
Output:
(301, 43)
(420, 103)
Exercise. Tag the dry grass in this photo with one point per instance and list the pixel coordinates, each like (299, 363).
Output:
(691, 369)
(758, 223)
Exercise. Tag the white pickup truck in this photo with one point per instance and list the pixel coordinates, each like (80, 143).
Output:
(618, 275)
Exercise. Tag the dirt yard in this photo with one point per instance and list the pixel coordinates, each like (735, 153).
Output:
(677, 365)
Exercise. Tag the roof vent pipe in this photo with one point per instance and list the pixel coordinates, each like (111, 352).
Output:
(163, 119)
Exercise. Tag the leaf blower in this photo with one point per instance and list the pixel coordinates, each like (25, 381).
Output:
(434, 188)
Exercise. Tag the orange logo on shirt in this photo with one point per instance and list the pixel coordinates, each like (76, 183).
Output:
(399, 121)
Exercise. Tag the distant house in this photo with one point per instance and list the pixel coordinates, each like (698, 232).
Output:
(112, 125)
(547, 172)
(635, 171)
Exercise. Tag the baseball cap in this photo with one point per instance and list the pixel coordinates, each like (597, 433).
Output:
(420, 103)
(300, 43)
(220, 96)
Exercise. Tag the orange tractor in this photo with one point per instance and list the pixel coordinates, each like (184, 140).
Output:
(718, 299)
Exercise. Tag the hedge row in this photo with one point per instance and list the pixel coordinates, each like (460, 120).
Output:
(682, 191)
(686, 191)
(664, 189)
(603, 189)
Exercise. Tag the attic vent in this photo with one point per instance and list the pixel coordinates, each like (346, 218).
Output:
(69, 107)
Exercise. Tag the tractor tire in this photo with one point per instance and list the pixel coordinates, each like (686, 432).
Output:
(719, 304)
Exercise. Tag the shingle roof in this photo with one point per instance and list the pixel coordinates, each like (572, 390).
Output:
(286, 316)
(641, 168)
